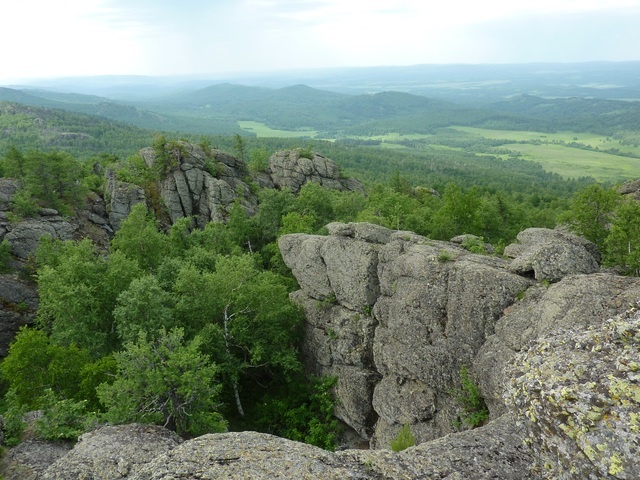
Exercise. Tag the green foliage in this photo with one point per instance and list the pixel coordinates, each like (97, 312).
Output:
(24, 205)
(259, 160)
(35, 364)
(143, 306)
(474, 245)
(445, 256)
(473, 409)
(623, 242)
(306, 152)
(304, 415)
(140, 240)
(166, 381)
(62, 419)
(591, 213)
(78, 290)
(240, 146)
(404, 439)
(5, 256)
(14, 425)
(167, 155)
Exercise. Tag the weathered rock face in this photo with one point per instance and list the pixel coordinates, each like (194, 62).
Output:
(287, 169)
(494, 451)
(245, 455)
(552, 254)
(112, 452)
(577, 392)
(580, 301)
(29, 459)
(138, 452)
(202, 184)
(395, 316)
(122, 197)
(18, 305)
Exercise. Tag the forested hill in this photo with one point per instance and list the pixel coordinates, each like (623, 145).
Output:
(576, 114)
(217, 109)
(28, 127)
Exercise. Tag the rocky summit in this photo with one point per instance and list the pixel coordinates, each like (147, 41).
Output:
(397, 318)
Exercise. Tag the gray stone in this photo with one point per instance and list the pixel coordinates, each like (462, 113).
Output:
(112, 452)
(246, 455)
(577, 392)
(287, 169)
(29, 459)
(552, 254)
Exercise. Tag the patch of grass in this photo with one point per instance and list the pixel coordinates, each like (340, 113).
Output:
(261, 130)
(445, 256)
(574, 163)
(404, 440)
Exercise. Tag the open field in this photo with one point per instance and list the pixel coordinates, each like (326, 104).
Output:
(261, 130)
(573, 163)
(590, 139)
(560, 158)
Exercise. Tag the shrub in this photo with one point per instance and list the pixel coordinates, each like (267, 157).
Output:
(404, 439)
(474, 410)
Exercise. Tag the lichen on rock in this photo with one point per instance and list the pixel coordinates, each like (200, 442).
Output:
(577, 392)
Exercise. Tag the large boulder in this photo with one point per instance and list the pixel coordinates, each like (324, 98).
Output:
(122, 197)
(112, 452)
(246, 455)
(31, 458)
(288, 169)
(580, 301)
(577, 392)
(552, 254)
(495, 451)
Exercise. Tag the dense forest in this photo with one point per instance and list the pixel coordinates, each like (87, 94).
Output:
(193, 328)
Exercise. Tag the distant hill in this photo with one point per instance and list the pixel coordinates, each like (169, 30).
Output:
(30, 127)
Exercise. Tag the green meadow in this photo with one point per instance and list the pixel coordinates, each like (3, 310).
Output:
(574, 163)
(551, 150)
(261, 130)
(590, 139)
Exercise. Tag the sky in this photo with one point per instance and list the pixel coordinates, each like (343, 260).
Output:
(62, 38)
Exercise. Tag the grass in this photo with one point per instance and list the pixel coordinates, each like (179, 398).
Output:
(591, 139)
(261, 130)
(574, 163)
(570, 162)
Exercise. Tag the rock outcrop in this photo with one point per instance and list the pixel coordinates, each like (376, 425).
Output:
(552, 254)
(288, 169)
(112, 452)
(577, 392)
(202, 184)
(137, 452)
(395, 317)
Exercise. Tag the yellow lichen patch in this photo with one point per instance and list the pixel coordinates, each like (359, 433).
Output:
(622, 389)
(615, 466)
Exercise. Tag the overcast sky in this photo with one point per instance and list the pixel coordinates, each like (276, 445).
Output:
(56, 38)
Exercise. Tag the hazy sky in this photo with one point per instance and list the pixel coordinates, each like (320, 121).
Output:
(54, 38)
